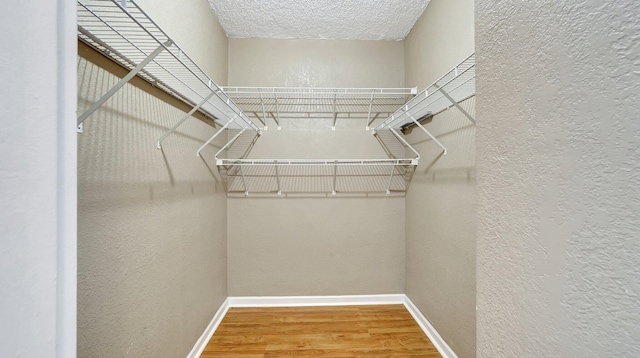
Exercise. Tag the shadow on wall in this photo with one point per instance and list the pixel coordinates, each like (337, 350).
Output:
(457, 134)
(151, 224)
(118, 160)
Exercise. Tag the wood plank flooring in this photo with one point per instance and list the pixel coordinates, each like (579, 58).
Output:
(342, 331)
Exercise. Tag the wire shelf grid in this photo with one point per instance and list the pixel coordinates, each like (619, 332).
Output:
(251, 176)
(336, 103)
(453, 87)
(122, 31)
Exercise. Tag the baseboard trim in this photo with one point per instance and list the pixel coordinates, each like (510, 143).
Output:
(310, 301)
(301, 301)
(435, 338)
(198, 348)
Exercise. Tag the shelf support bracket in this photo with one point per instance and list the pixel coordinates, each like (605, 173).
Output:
(278, 177)
(175, 126)
(244, 182)
(405, 143)
(264, 113)
(335, 178)
(335, 115)
(372, 120)
(122, 82)
(369, 120)
(275, 96)
(428, 133)
(454, 102)
(393, 169)
(215, 135)
(229, 143)
(264, 125)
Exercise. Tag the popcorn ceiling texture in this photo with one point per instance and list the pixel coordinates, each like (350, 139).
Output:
(319, 19)
(558, 162)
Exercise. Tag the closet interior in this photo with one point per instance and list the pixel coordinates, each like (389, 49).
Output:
(224, 132)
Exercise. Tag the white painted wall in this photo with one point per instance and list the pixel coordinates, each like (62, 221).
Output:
(441, 201)
(151, 223)
(316, 246)
(315, 63)
(37, 180)
(558, 162)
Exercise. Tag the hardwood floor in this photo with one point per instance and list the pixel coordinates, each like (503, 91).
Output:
(343, 331)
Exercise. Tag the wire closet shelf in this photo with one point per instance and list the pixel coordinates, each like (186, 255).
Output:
(391, 175)
(244, 176)
(448, 91)
(276, 103)
(123, 32)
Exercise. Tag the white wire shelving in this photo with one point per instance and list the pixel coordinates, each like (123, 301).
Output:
(276, 103)
(448, 91)
(122, 31)
(246, 176)
(242, 175)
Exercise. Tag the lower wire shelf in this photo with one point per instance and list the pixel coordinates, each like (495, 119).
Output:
(316, 176)
(246, 176)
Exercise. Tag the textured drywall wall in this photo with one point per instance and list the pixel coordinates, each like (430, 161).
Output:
(441, 38)
(306, 246)
(151, 224)
(440, 203)
(37, 180)
(558, 162)
(319, 19)
(315, 246)
(315, 63)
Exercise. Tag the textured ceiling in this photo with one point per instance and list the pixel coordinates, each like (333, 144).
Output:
(319, 19)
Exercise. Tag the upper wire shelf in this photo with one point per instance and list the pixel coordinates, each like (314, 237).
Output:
(122, 31)
(277, 103)
(453, 87)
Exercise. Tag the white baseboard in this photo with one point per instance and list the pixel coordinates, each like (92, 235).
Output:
(442, 346)
(197, 349)
(301, 301)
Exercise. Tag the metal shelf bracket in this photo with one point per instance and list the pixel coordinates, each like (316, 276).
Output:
(335, 114)
(264, 113)
(369, 120)
(428, 133)
(454, 102)
(277, 114)
(122, 82)
(278, 178)
(215, 135)
(175, 126)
